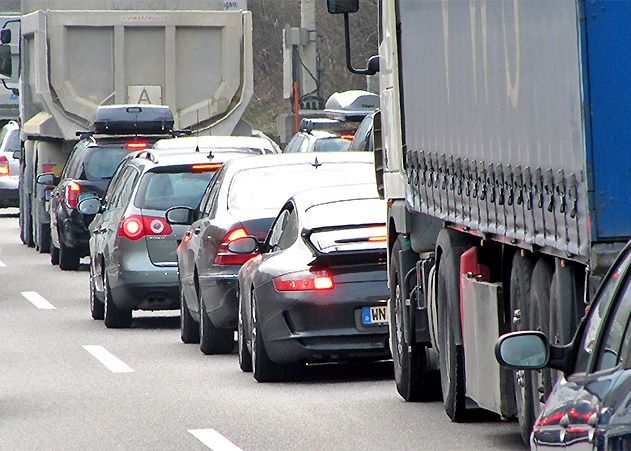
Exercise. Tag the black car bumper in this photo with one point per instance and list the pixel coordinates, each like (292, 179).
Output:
(314, 326)
(74, 233)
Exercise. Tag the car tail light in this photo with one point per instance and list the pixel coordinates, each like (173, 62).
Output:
(73, 190)
(134, 227)
(347, 136)
(379, 234)
(304, 281)
(224, 256)
(4, 165)
(136, 145)
(206, 167)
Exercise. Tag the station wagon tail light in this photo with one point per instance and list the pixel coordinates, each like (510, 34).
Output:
(73, 190)
(134, 227)
(136, 145)
(206, 167)
(304, 281)
(4, 165)
(347, 136)
(224, 257)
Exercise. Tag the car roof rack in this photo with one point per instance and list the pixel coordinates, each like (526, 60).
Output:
(147, 155)
(133, 119)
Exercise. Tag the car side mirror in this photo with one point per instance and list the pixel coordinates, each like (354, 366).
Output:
(90, 206)
(244, 245)
(5, 36)
(523, 350)
(342, 6)
(47, 178)
(180, 215)
(17, 154)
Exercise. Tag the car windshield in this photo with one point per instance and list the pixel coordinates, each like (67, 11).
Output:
(332, 145)
(101, 163)
(270, 187)
(163, 190)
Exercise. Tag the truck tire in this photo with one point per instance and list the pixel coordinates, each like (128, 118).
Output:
(189, 328)
(410, 363)
(450, 246)
(68, 258)
(26, 231)
(115, 318)
(520, 282)
(539, 319)
(43, 238)
(213, 340)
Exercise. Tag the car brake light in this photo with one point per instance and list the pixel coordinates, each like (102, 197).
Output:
(136, 145)
(4, 165)
(206, 167)
(134, 227)
(304, 281)
(347, 136)
(225, 257)
(73, 190)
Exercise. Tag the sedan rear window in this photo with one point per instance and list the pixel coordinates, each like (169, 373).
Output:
(270, 187)
(163, 190)
(101, 163)
(332, 145)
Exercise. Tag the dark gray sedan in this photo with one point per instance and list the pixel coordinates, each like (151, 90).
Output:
(243, 200)
(318, 291)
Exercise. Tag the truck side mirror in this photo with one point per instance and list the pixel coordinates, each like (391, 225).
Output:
(342, 6)
(6, 63)
(5, 36)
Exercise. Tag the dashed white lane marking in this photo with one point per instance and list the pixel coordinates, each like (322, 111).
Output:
(214, 440)
(2, 265)
(37, 300)
(111, 362)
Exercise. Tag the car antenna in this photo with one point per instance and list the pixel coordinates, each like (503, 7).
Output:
(316, 164)
(197, 132)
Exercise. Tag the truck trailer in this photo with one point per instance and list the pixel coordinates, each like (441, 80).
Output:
(193, 56)
(502, 150)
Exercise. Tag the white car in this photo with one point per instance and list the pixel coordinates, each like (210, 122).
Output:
(9, 164)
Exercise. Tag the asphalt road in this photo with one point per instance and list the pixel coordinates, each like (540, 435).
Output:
(159, 394)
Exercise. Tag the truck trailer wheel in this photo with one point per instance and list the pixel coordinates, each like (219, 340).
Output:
(26, 220)
(410, 363)
(449, 247)
(520, 282)
(539, 319)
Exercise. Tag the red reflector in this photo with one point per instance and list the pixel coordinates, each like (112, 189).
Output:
(225, 257)
(206, 167)
(73, 190)
(304, 281)
(136, 145)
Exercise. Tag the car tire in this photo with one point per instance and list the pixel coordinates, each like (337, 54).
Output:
(263, 369)
(115, 318)
(68, 258)
(539, 319)
(43, 238)
(245, 356)
(213, 340)
(452, 358)
(410, 363)
(189, 328)
(54, 255)
(520, 283)
(97, 307)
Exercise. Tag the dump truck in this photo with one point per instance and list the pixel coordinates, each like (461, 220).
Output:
(193, 56)
(502, 150)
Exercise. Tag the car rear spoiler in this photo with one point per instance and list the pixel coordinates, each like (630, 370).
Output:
(369, 255)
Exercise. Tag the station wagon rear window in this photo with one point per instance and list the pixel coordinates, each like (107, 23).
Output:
(163, 190)
(101, 163)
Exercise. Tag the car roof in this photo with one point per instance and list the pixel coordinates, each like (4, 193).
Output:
(209, 142)
(287, 159)
(182, 158)
(322, 134)
(338, 193)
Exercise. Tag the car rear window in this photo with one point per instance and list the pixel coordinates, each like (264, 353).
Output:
(270, 187)
(332, 145)
(348, 212)
(101, 163)
(13, 143)
(163, 190)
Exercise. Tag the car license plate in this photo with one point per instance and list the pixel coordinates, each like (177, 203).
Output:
(375, 316)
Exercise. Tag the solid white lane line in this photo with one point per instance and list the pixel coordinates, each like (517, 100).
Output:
(214, 440)
(111, 362)
(2, 265)
(37, 300)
